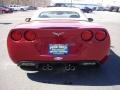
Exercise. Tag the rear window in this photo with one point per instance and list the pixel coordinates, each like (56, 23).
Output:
(59, 14)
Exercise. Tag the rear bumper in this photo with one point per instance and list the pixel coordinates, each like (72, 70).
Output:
(37, 65)
(20, 52)
(57, 62)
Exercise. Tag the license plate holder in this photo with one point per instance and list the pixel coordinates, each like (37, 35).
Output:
(58, 49)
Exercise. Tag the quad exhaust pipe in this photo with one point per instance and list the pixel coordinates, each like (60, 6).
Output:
(47, 67)
(44, 68)
(73, 68)
(70, 67)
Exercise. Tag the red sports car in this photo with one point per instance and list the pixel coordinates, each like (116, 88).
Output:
(58, 37)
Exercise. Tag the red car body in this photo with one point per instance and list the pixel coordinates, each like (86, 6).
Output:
(85, 42)
(5, 10)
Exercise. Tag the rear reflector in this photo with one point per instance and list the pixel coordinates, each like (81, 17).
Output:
(100, 35)
(86, 35)
(16, 35)
(30, 35)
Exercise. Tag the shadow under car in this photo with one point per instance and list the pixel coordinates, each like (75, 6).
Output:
(108, 74)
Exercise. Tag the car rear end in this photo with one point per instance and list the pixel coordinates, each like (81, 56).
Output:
(69, 46)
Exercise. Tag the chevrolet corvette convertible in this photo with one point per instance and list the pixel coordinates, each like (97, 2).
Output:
(58, 37)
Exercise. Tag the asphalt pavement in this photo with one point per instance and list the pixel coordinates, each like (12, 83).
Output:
(105, 78)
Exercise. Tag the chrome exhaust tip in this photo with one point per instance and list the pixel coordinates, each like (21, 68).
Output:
(67, 68)
(50, 68)
(44, 68)
(72, 68)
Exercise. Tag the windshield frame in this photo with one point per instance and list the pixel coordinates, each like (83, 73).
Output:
(37, 13)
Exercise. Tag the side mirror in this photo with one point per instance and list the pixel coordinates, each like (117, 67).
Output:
(90, 19)
(27, 19)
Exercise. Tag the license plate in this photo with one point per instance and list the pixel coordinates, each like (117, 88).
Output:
(58, 49)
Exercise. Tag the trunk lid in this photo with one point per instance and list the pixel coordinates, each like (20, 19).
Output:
(66, 37)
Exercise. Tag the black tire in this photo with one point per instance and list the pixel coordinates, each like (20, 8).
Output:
(22, 9)
(97, 65)
(90, 11)
(117, 9)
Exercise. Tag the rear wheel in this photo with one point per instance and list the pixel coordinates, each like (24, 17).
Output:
(97, 65)
(117, 9)
(90, 11)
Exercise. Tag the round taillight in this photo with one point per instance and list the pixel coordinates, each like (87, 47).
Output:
(100, 35)
(86, 35)
(16, 35)
(30, 35)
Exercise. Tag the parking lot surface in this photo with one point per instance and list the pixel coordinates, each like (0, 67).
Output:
(105, 78)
